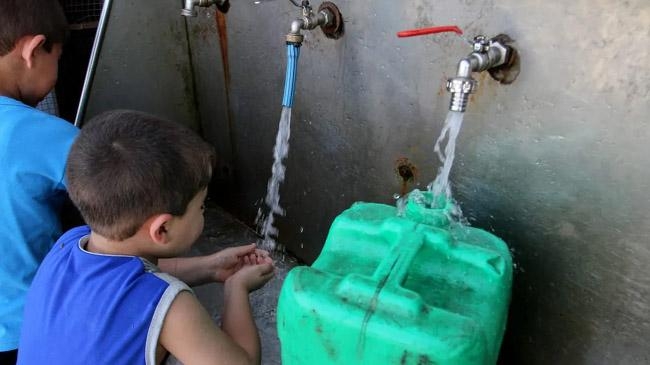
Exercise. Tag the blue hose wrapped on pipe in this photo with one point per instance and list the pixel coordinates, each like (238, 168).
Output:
(293, 51)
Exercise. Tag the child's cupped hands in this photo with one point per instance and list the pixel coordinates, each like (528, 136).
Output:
(230, 260)
(253, 277)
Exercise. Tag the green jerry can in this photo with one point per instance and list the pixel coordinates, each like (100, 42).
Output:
(388, 289)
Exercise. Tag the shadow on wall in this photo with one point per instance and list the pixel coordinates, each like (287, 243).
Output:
(540, 291)
(581, 304)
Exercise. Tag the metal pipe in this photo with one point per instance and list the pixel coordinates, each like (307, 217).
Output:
(92, 63)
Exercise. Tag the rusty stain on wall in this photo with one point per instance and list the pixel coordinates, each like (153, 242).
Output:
(222, 32)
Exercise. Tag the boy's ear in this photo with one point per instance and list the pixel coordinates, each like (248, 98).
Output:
(29, 45)
(158, 225)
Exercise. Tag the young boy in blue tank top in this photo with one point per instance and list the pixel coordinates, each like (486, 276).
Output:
(99, 297)
(33, 150)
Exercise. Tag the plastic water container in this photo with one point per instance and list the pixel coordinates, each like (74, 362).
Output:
(415, 289)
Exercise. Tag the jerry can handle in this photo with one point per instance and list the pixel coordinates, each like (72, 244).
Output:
(384, 289)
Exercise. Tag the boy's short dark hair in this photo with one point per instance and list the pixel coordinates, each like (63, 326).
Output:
(126, 166)
(19, 18)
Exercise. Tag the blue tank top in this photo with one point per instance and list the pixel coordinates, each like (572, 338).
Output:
(89, 308)
(34, 147)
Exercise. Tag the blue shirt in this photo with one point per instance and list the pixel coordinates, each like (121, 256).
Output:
(33, 150)
(88, 308)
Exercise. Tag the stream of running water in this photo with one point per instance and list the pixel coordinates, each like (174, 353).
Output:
(439, 189)
(448, 134)
(265, 221)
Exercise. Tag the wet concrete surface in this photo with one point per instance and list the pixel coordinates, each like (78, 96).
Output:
(222, 230)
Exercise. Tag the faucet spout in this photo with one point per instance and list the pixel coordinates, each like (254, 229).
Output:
(466, 66)
(327, 17)
(189, 11)
(487, 54)
(296, 26)
(460, 88)
(295, 36)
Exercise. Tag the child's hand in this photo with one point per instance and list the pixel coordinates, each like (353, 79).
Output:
(252, 277)
(228, 261)
(258, 257)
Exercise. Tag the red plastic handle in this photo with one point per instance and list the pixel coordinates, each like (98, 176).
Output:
(431, 30)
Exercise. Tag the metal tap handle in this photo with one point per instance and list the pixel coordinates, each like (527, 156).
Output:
(481, 44)
(306, 8)
(430, 30)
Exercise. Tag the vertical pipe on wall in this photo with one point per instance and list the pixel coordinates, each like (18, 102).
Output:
(92, 64)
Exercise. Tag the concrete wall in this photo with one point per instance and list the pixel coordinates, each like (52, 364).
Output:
(144, 63)
(555, 164)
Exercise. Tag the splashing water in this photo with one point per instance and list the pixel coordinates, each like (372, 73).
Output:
(265, 221)
(451, 129)
(439, 189)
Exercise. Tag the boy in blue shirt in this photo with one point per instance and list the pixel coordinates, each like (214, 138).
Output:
(33, 150)
(99, 297)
